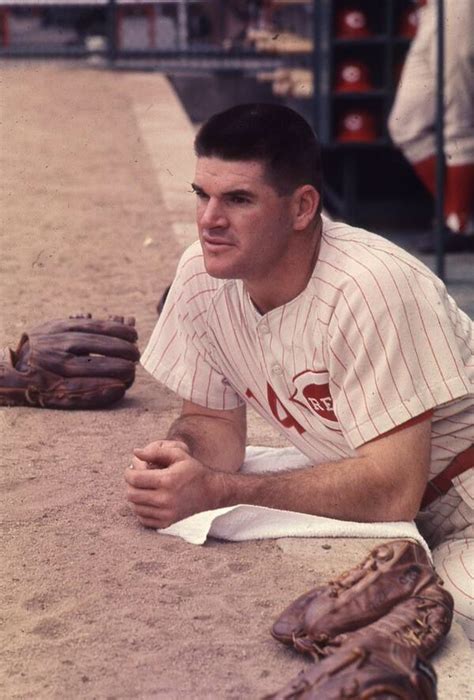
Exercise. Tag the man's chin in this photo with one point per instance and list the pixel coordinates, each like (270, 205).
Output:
(218, 268)
(220, 272)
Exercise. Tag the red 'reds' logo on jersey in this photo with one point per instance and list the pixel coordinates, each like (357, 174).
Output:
(312, 392)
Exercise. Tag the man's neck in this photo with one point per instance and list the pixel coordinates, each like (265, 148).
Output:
(287, 281)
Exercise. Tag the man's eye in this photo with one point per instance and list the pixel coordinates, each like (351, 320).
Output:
(200, 195)
(237, 199)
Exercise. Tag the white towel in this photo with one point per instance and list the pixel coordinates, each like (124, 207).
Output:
(247, 522)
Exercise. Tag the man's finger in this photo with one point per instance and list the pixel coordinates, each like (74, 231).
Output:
(152, 523)
(161, 517)
(138, 464)
(159, 456)
(143, 478)
(152, 517)
(149, 497)
(169, 443)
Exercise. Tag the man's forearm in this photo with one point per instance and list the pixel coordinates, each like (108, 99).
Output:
(352, 489)
(384, 481)
(216, 443)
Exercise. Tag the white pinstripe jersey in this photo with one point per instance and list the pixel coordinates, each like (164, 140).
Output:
(373, 341)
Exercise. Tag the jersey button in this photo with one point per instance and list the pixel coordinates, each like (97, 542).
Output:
(277, 369)
(264, 328)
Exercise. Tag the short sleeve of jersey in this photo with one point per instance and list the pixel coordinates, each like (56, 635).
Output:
(397, 347)
(179, 353)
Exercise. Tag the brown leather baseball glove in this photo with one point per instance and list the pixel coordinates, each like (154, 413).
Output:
(377, 668)
(421, 622)
(79, 362)
(394, 592)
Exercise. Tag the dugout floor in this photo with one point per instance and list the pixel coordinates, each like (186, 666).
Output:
(95, 211)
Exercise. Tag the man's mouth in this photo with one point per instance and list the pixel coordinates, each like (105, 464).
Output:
(215, 244)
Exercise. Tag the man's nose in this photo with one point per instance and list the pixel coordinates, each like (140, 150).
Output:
(211, 215)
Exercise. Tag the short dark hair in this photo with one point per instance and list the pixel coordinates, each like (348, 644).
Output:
(275, 135)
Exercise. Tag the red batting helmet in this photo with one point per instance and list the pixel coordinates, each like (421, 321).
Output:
(353, 76)
(408, 23)
(351, 23)
(357, 125)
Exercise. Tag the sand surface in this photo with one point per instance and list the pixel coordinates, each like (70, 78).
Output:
(92, 604)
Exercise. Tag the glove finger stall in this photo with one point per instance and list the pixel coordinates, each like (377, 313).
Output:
(66, 364)
(13, 385)
(112, 327)
(83, 344)
(74, 393)
(290, 621)
(421, 622)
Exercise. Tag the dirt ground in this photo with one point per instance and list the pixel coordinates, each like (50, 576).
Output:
(92, 604)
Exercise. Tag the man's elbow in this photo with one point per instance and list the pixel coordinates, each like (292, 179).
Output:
(403, 505)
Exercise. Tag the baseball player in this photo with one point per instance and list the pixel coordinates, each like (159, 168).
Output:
(412, 120)
(351, 347)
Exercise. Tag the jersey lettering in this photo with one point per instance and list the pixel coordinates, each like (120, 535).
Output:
(312, 392)
(320, 405)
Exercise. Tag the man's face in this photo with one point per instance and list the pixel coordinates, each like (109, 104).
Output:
(244, 225)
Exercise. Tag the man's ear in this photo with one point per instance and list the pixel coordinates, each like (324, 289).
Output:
(305, 204)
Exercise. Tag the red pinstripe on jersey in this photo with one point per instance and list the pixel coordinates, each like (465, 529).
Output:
(402, 343)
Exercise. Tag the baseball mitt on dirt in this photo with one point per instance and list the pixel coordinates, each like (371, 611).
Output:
(421, 622)
(375, 668)
(78, 362)
(395, 592)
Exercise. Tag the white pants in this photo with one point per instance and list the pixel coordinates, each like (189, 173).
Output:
(412, 119)
(447, 526)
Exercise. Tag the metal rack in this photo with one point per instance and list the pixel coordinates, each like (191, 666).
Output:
(272, 52)
(353, 166)
(382, 49)
(181, 6)
(203, 57)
